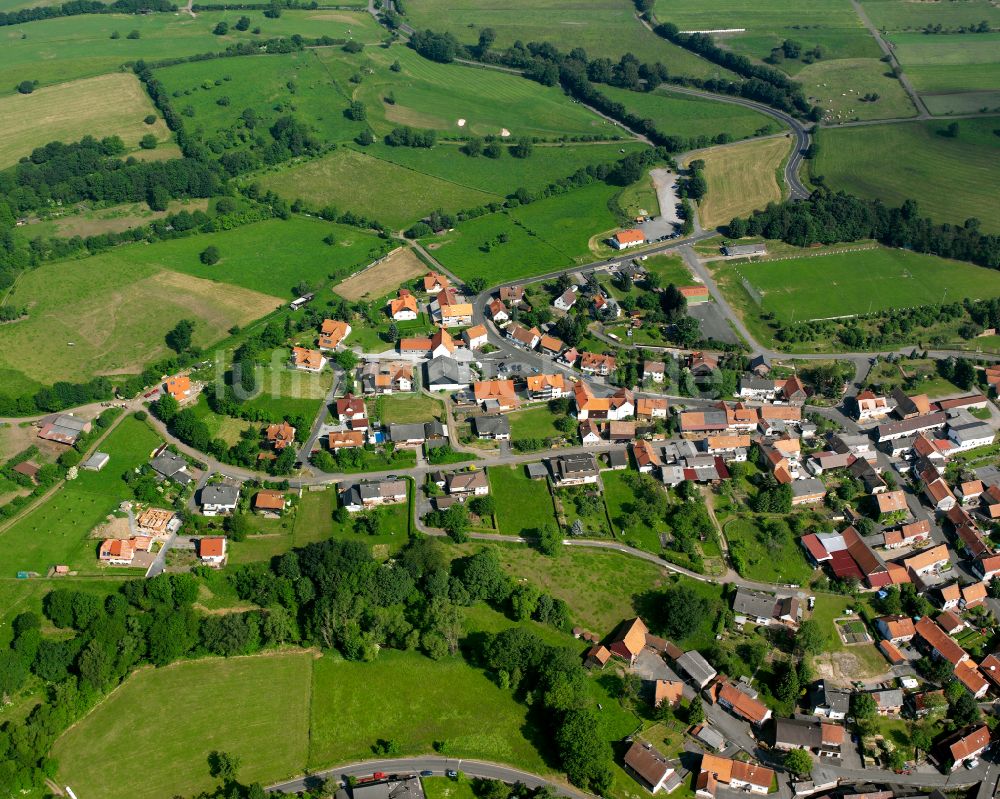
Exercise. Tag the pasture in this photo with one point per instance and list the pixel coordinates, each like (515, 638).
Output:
(57, 531)
(679, 115)
(957, 73)
(524, 506)
(256, 708)
(905, 15)
(96, 315)
(849, 283)
(426, 94)
(399, 268)
(951, 179)
(838, 87)
(601, 27)
(530, 240)
(741, 178)
(103, 106)
(63, 49)
(356, 704)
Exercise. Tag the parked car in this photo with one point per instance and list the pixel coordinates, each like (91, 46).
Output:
(451, 773)
(426, 773)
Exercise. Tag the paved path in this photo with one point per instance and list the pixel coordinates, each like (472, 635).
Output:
(438, 766)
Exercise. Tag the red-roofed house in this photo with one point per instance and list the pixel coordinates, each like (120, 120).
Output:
(627, 238)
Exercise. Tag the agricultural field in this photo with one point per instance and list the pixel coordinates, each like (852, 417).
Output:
(444, 702)
(852, 283)
(256, 708)
(108, 105)
(904, 15)
(398, 268)
(63, 49)
(57, 531)
(540, 237)
(950, 63)
(741, 178)
(680, 115)
(85, 219)
(523, 505)
(92, 316)
(951, 179)
(601, 27)
(839, 86)
(455, 100)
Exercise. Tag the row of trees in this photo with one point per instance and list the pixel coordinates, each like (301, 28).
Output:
(76, 7)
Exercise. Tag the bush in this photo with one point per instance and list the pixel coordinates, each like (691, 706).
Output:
(26, 86)
(150, 119)
(221, 29)
(148, 142)
(210, 255)
(133, 35)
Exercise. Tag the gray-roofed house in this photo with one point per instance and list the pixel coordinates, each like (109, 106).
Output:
(832, 703)
(446, 374)
(888, 701)
(494, 426)
(651, 768)
(171, 467)
(807, 491)
(63, 428)
(362, 496)
(219, 499)
(822, 737)
(468, 483)
(698, 669)
(617, 459)
(537, 471)
(575, 470)
(709, 736)
(757, 606)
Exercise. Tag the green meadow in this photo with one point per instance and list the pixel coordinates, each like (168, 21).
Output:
(524, 506)
(843, 284)
(57, 531)
(57, 50)
(905, 15)
(951, 179)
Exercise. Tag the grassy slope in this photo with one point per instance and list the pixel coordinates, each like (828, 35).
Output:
(523, 505)
(255, 708)
(62, 49)
(852, 283)
(951, 179)
(57, 532)
(103, 106)
(741, 178)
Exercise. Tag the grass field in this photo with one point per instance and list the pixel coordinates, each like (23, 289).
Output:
(84, 220)
(620, 499)
(57, 530)
(785, 564)
(427, 94)
(951, 179)
(58, 50)
(92, 316)
(838, 87)
(858, 282)
(601, 27)
(959, 62)
(399, 268)
(533, 423)
(256, 708)
(542, 236)
(353, 706)
(903, 15)
(523, 505)
(741, 178)
(312, 522)
(408, 409)
(679, 115)
(103, 106)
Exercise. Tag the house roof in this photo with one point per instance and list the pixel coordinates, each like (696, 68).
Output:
(345, 439)
(753, 603)
(645, 406)
(312, 359)
(471, 333)
(283, 434)
(970, 676)
(891, 501)
(212, 546)
(268, 499)
(633, 236)
(404, 302)
(551, 344)
(543, 382)
(220, 494)
(940, 641)
(596, 360)
(927, 558)
(117, 549)
(949, 622)
(178, 386)
(897, 626)
(746, 706)
(414, 345)
(976, 592)
(500, 390)
(495, 424)
(598, 652)
(631, 635)
(434, 281)
(334, 331)
(969, 743)
(467, 481)
(648, 763)
(891, 652)
(670, 691)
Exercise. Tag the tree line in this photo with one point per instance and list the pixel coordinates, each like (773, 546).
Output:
(77, 7)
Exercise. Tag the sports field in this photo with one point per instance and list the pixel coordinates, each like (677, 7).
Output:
(951, 179)
(540, 237)
(58, 50)
(601, 27)
(256, 708)
(108, 105)
(426, 94)
(356, 704)
(680, 115)
(57, 531)
(844, 284)
(741, 178)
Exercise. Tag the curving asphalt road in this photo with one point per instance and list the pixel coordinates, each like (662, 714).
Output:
(435, 764)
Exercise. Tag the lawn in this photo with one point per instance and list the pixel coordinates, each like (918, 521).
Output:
(256, 708)
(690, 117)
(601, 27)
(741, 178)
(408, 409)
(63, 49)
(670, 269)
(312, 521)
(107, 105)
(785, 563)
(951, 179)
(534, 239)
(620, 498)
(57, 531)
(524, 506)
(533, 423)
(593, 518)
(356, 704)
(393, 532)
(850, 283)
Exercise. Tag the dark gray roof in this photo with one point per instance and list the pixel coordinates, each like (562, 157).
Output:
(536, 470)
(407, 432)
(572, 466)
(696, 667)
(618, 457)
(447, 371)
(168, 464)
(754, 603)
(837, 699)
(710, 736)
(802, 488)
(220, 495)
(492, 425)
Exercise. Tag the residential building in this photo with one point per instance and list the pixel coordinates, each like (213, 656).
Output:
(547, 387)
(973, 595)
(888, 701)
(170, 466)
(351, 409)
(891, 502)
(435, 283)
(468, 483)
(756, 606)
(928, 561)
(574, 470)
(212, 550)
(550, 345)
(345, 439)
(443, 344)
(950, 622)
(307, 360)
(829, 702)
(595, 363)
(651, 408)
(449, 309)
(738, 703)
(898, 628)
(496, 395)
(965, 745)
(939, 643)
(868, 406)
(972, 679)
(498, 312)
(937, 491)
(807, 491)
(627, 238)
(362, 496)
(820, 737)
(475, 337)
(332, 334)
(269, 501)
(525, 337)
(918, 532)
(217, 500)
(117, 552)
(404, 307)
(629, 639)
(569, 357)
(179, 387)
(446, 374)
(651, 768)
(566, 300)
(757, 388)
(514, 295)
(734, 774)
(386, 377)
(590, 435)
(654, 370)
(619, 406)
(910, 407)
(495, 427)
